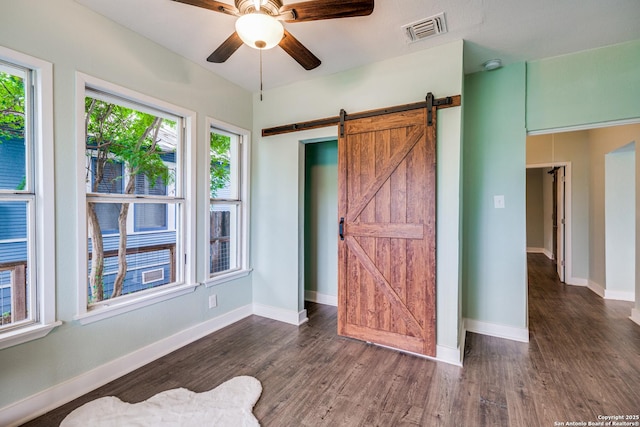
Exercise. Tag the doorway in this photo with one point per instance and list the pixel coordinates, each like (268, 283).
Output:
(548, 213)
(321, 211)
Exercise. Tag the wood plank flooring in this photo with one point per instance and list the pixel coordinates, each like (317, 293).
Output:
(582, 361)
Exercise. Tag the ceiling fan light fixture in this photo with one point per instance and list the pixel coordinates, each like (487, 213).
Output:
(259, 30)
(257, 4)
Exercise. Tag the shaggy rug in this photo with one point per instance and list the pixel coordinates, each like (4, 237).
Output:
(229, 404)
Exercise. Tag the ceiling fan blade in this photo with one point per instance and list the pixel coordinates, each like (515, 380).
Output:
(216, 6)
(226, 49)
(326, 9)
(297, 51)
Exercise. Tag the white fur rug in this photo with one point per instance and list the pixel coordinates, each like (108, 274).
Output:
(229, 404)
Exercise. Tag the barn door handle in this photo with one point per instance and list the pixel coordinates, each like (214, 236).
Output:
(341, 228)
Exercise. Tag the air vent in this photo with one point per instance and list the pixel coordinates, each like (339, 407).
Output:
(425, 28)
(152, 276)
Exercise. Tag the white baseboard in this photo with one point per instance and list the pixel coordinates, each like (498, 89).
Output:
(497, 330)
(576, 281)
(596, 288)
(619, 295)
(543, 251)
(33, 406)
(635, 315)
(319, 298)
(280, 314)
(449, 355)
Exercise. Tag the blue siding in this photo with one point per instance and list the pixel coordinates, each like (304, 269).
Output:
(13, 220)
(12, 163)
(110, 243)
(13, 215)
(137, 263)
(13, 251)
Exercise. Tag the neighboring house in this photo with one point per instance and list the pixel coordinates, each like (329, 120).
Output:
(151, 230)
(13, 221)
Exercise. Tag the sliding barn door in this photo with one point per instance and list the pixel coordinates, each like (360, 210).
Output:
(387, 212)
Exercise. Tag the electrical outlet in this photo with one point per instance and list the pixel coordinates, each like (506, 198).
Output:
(213, 301)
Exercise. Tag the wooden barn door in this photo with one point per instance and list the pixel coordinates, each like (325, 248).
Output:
(387, 213)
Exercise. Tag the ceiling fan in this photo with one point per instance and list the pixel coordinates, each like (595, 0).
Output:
(259, 24)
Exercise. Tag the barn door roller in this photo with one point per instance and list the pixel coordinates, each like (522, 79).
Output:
(432, 102)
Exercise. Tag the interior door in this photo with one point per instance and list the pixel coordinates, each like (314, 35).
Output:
(560, 221)
(386, 209)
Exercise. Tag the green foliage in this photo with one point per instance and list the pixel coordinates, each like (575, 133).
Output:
(21, 186)
(220, 162)
(12, 102)
(117, 133)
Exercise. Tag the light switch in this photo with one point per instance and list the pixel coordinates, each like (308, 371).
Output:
(498, 202)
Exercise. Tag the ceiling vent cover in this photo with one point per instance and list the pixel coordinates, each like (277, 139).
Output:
(425, 28)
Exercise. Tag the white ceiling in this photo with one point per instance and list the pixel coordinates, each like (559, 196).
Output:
(513, 30)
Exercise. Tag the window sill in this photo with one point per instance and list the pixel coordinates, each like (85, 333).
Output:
(217, 280)
(23, 335)
(114, 308)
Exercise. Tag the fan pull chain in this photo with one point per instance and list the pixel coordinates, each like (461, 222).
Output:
(260, 74)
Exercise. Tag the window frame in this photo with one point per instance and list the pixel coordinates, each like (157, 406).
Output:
(86, 313)
(41, 223)
(243, 201)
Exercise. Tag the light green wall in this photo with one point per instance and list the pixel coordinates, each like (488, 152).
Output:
(588, 87)
(494, 240)
(276, 169)
(620, 219)
(321, 207)
(76, 39)
(535, 209)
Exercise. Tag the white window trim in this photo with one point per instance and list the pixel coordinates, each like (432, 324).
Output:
(45, 272)
(244, 266)
(134, 301)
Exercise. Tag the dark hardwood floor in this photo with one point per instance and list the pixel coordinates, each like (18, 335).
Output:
(582, 361)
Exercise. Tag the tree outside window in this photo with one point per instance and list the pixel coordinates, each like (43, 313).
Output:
(131, 161)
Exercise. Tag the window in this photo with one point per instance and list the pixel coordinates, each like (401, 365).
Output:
(150, 216)
(137, 201)
(27, 288)
(228, 206)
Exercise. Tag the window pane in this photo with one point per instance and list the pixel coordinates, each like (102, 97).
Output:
(14, 301)
(223, 241)
(224, 166)
(12, 130)
(111, 181)
(107, 214)
(150, 216)
(150, 258)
